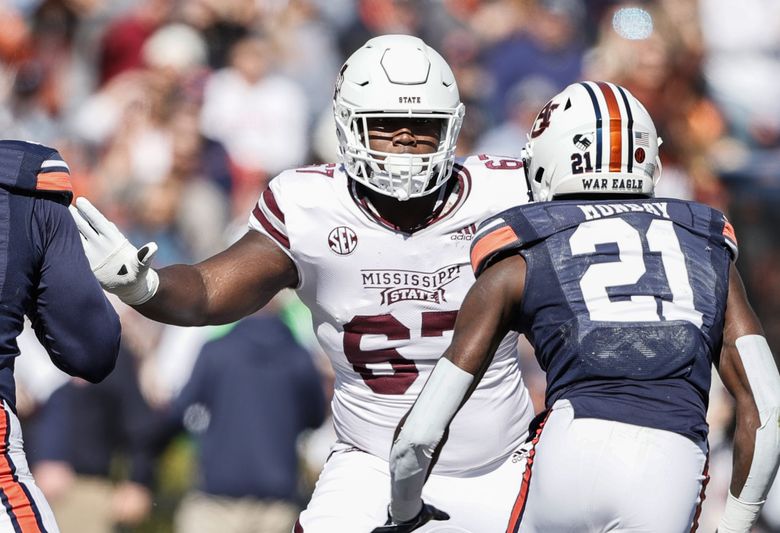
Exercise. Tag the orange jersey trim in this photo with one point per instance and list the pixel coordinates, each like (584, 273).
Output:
(490, 243)
(54, 181)
(728, 231)
(22, 507)
(615, 128)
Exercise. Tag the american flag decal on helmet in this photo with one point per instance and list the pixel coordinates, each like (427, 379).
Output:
(642, 138)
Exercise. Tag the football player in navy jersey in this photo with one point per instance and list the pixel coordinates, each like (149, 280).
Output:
(45, 276)
(628, 300)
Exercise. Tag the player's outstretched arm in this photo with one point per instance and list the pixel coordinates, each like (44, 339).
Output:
(483, 320)
(749, 372)
(221, 289)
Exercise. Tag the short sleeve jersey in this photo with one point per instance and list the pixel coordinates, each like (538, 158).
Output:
(384, 302)
(624, 303)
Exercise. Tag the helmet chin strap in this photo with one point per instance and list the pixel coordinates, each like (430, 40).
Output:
(658, 166)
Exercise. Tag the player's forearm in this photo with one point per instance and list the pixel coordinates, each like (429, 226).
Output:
(744, 446)
(181, 298)
(757, 441)
(410, 457)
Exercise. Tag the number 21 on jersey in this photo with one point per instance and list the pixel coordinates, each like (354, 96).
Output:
(629, 268)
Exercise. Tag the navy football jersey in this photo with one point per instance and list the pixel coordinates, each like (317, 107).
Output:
(624, 303)
(44, 273)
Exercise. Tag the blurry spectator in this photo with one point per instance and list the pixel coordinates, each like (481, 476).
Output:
(14, 39)
(222, 23)
(551, 45)
(122, 45)
(79, 435)
(260, 116)
(153, 208)
(308, 51)
(200, 176)
(251, 394)
(129, 119)
(378, 17)
(523, 103)
(742, 65)
(23, 116)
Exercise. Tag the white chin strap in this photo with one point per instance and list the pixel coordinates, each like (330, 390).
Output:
(742, 510)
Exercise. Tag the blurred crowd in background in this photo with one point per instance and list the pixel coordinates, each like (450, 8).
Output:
(174, 114)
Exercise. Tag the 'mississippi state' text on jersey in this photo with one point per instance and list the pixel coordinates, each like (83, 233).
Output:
(624, 303)
(384, 302)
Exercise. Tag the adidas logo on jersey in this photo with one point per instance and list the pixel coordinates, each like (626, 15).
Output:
(464, 234)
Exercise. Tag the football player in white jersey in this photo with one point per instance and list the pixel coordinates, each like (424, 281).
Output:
(629, 300)
(378, 247)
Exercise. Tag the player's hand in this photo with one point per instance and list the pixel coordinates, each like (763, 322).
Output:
(426, 514)
(120, 267)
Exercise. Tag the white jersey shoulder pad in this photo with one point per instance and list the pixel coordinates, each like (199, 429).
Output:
(498, 180)
(291, 191)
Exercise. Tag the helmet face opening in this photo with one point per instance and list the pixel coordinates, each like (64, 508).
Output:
(396, 78)
(593, 139)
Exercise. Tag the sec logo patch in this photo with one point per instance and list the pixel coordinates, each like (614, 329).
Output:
(342, 240)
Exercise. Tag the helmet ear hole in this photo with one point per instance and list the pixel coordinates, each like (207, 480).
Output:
(539, 174)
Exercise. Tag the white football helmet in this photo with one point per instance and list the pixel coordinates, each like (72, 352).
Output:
(396, 76)
(592, 138)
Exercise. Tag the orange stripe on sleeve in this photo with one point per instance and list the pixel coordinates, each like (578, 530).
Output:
(21, 506)
(615, 128)
(54, 181)
(491, 242)
(728, 231)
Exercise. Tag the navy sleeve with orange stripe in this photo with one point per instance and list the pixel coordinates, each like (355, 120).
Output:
(730, 238)
(496, 236)
(34, 167)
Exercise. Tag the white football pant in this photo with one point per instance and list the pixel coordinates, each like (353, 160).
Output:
(353, 492)
(591, 475)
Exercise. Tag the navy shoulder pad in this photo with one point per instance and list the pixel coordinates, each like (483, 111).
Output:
(34, 167)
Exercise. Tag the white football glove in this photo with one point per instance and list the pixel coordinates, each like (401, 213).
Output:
(120, 267)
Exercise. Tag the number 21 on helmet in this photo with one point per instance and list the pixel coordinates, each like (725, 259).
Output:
(592, 138)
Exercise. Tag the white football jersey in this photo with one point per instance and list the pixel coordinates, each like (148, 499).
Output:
(384, 302)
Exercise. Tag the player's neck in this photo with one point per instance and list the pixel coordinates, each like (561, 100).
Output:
(409, 215)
